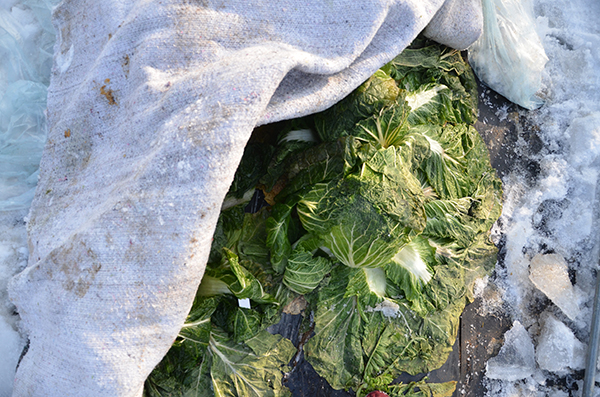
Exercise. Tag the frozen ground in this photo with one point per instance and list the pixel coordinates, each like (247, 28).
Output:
(548, 226)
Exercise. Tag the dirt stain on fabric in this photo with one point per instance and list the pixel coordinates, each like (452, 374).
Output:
(125, 65)
(108, 93)
(77, 268)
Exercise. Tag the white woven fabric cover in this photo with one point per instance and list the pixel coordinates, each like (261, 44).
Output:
(448, 27)
(150, 106)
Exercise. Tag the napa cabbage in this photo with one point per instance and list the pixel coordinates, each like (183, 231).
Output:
(377, 212)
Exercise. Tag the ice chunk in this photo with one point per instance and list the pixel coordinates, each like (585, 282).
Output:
(550, 275)
(516, 358)
(502, 388)
(558, 350)
(558, 393)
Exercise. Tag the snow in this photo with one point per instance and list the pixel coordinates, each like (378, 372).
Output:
(386, 307)
(10, 350)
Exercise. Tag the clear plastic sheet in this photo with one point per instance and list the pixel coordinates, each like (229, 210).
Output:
(26, 43)
(26, 47)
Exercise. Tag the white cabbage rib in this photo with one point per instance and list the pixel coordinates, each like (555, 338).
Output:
(410, 259)
(420, 98)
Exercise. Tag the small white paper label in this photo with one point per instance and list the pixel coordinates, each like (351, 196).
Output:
(245, 303)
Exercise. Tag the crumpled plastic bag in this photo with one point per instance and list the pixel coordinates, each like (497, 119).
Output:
(509, 56)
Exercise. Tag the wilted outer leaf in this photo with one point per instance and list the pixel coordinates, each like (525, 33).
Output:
(323, 162)
(422, 389)
(450, 219)
(352, 221)
(304, 272)
(410, 270)
(254, 371)
(424, 65)
(385, 128)
(381, 340)
(251, 242)
(252, 167)
(357, 344)
(277, 235)
(333, 351)
(245, 285)
(207, 361)
(378, 91)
